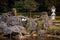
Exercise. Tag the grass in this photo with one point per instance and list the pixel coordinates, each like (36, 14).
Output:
(37, 13)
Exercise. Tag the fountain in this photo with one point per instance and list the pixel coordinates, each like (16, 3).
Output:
(53, 15)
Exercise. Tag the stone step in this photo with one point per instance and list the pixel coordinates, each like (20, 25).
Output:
(56, 22)
(57, 16)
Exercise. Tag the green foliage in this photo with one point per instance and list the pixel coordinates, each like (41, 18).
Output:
(30, 5)
(28, 14)
(19, 5)
(50, 3)
(3, 6)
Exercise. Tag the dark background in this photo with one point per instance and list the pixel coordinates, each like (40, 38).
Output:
(7, 5)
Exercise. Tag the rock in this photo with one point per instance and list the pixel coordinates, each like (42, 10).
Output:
(13, 20)
(5, 16)
(31, 25)
(2, 26)
(42, 32)
(16, 28)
